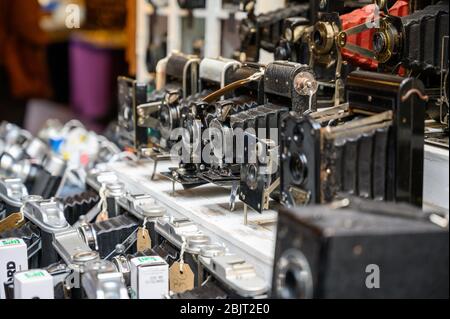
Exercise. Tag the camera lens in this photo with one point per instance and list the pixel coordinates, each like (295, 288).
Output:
(294, 277)
(298, 168)
(318, 38)
(379, 42)
(292, 284)
(165, 117)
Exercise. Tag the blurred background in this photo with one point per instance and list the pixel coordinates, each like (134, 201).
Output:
(61, 58)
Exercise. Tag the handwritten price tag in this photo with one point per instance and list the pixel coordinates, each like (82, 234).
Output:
(144, 242)
(181, 281)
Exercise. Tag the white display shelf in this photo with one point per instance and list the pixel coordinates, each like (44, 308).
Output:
(436, 178)
(207, 206)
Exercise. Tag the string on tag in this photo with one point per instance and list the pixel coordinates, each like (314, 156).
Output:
(103, 215)
(183, 248)
(103, 201)
(22, 214)
(144, 225)
(144, 240)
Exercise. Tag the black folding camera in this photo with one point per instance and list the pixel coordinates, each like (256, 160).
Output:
(131, 94)
(181, 82)
(365, 250)
(222, 118)
(140, 113)
(264, 31)
(190, 115)
(175, 111)
(288, 87)
(419, 43)
(373, 147)
(292, 46)
(416, 41)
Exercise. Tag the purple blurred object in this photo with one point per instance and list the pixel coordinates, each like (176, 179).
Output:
(93, 72)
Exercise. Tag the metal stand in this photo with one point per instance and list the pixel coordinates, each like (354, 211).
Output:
(245, 214)
(156, 156)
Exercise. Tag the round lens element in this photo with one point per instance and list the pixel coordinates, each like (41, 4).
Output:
(164, 117)
(379, 42)
(293, 276)
(299, 169)
(318, 38)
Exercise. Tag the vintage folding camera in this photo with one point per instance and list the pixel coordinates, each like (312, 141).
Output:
(405, 44)
(190, 115)
(406, 39)
(174, 111)
(360, 249)
(139, 110)
(217, 274)
(131, 94)
(264, 31)
(136, 207)
(247, 87)
(171, 236)
(179, 80)
(42, 219)
(293, 46)
(340, 43)
(396, 41)
(372, 147)
(288, 87)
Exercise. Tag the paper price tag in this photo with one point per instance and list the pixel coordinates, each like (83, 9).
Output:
(180, 281)
(144, 242)
(11, 222)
